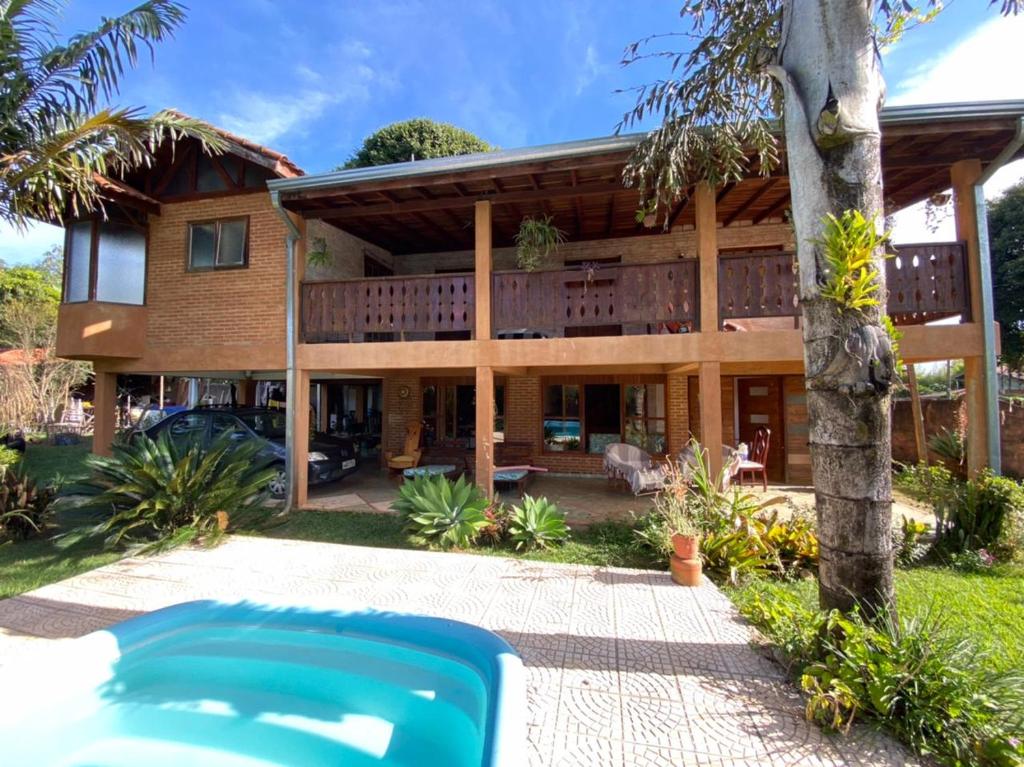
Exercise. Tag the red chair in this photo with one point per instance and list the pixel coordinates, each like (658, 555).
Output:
(757, 463)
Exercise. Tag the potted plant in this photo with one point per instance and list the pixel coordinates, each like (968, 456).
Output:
(536, 239)
(684, 535)
(680, 527)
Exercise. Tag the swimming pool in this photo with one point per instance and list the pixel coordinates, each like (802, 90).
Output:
(253, 685)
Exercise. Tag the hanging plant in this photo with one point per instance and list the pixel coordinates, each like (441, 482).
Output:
(318, 255)
(536, 239)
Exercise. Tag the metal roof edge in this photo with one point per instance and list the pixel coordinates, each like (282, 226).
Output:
(894, 115)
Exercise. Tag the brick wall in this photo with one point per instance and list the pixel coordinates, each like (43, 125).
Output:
(677, 403)
(645, 249)
(242, 307)
(346, 250)
(942, 413)
(399, 411)
(728, 408)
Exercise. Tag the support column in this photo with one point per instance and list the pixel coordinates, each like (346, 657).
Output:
(707, 255)
(485, 429)
(482, 267)
(711, 413)
(300, 452)
(104, 403)
(920, 443)
(964, 174)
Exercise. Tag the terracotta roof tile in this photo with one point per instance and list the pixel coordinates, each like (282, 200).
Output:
(283, 166)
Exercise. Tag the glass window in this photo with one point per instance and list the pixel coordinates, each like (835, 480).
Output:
(202, 244)
(269, 425)
(499, 412)
(218, 244)
(562, 417)
(188, 429)
(121, 268)
(225, 424)
(645, 417)
(80, 245)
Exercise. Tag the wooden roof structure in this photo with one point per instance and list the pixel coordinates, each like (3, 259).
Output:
(427, 206)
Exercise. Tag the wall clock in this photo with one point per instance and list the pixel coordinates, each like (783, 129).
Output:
(403, 392)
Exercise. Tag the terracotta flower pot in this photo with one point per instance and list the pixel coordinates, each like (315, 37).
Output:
(222, 520)
(685, 546)
(685, 572)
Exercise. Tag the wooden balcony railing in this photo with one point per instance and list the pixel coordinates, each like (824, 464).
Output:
(387, 308)
(627, 299)
(925, 283)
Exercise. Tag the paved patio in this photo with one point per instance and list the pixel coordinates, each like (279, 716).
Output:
(623, 666)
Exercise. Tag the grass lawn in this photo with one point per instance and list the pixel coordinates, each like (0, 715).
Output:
(987, 608)
(603, 544)
(26, 565)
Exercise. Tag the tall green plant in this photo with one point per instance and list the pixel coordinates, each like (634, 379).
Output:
(848, 246)
(537, 523)
(161, 494)
(440, 511)
(57, 133)
(25, 507)
(536, 239)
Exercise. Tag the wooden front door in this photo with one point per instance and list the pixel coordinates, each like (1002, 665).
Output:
(759, 403)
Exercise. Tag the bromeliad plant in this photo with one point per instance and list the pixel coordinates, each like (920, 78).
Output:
(848, 246)
(536, 239)
(162, 494)
(439, 511)
(25, 507)
(537, 523)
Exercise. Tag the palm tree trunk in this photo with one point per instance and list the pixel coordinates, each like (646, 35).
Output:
(833, 89)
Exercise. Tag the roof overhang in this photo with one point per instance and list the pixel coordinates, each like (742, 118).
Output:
(424, 205)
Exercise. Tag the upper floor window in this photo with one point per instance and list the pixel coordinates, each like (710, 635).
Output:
(220, 244)
(105, 261)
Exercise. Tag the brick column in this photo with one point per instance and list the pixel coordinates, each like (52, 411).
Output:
(104, 412)
(963, 175)
(485, 429)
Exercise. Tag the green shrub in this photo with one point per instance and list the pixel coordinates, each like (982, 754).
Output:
(537, 523)
(25, 508)
(496, 530)
(925, 685)
(733, 555)
(8, 458)
(982, 513)
(907, 544)
(931, 484)
(440, 511)
(949, 445)
(161, 494)
(651, 536)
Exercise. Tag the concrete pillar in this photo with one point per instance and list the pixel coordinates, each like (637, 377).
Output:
(104, 412)
(301, 449)
(482, 269)
(485, 429)
(711, 413)
(963, 175)
(707, 255)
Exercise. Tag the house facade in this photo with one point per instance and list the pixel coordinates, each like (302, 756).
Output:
(398, 285)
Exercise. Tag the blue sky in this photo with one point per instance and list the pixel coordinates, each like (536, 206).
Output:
(312, 79)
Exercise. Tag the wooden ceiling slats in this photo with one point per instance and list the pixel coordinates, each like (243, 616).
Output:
(586, 199)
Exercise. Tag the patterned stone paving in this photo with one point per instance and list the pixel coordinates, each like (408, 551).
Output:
(623, 667)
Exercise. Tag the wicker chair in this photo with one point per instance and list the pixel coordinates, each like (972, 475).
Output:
(411, 453)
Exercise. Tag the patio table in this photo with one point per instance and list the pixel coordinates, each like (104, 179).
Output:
(431, 470)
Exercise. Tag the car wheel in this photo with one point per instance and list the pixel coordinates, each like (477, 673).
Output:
(278, 486)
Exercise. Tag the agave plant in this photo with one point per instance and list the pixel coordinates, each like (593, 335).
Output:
(538, 522)
(161, 494)
(24, 506)
(440, 511)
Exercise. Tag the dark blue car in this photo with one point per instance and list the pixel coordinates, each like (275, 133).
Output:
(330, 458)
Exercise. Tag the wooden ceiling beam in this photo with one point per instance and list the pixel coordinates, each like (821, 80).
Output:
(680, 208)
(774, 208)
(766, 187)
(499, 198)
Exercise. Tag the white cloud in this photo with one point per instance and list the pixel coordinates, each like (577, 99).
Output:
(983, 66)
(592, 67)
(979, 67)
(24, 247)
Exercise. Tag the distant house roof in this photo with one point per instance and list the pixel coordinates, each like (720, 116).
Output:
(17, 356)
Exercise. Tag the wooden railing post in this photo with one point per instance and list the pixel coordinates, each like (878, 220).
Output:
(483, 267)
(707, 255)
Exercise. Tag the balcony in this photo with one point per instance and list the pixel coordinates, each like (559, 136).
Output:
(96, 329)
(925, 283)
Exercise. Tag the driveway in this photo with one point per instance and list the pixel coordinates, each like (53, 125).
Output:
(624, 667)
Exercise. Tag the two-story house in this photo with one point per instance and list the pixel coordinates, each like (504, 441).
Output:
(635, 331)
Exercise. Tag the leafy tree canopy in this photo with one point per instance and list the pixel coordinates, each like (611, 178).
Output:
(418, 139)
(29, 291)
(1006, 243)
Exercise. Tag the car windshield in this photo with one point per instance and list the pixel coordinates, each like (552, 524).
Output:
(268, 425)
